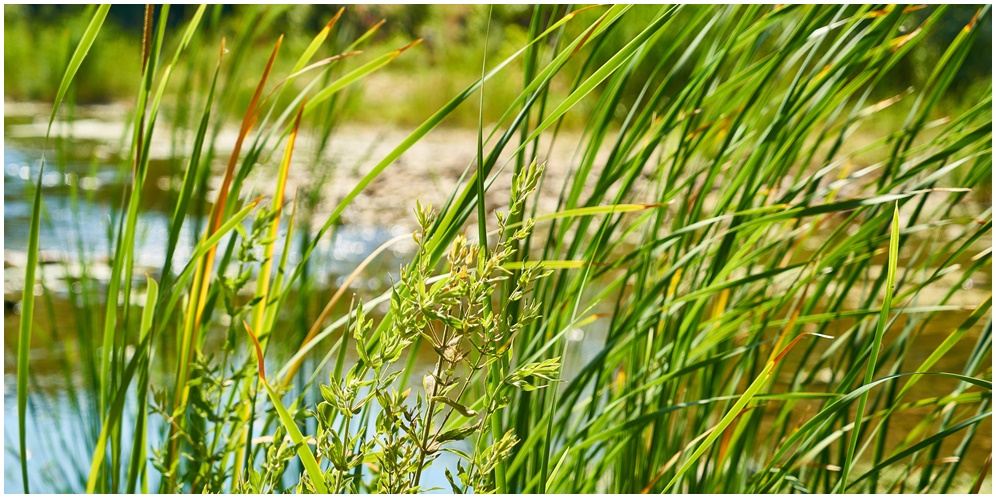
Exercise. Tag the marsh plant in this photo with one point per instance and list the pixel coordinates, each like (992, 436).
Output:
(471, 333)
(753, 275)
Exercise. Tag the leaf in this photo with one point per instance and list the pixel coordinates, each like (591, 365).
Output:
(27, 295)
(883, 320)
(733, 412)
(464, 410)
(453, 485)
(82, 49)
(303, 450)
(456, 434)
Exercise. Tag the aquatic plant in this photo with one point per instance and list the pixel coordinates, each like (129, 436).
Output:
(754, 239)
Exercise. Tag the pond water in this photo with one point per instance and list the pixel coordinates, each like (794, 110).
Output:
(57, 448)
(57, 442)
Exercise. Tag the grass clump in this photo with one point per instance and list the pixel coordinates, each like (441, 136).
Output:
(753, 268)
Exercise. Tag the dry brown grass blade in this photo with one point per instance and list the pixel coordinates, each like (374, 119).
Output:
(787, 328)
(259, 351)
(406, 47)
(307, 68)
(977, 487)
(796, 341)
(219, 207)
(320, 63)
(248, 120)
(335, 18)
(586, 36)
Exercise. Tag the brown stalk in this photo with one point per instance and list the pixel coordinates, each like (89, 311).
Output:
(147, 35)
(146, 48)
(977, 487)
(219, 208)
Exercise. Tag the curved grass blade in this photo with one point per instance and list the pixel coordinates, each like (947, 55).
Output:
(24, 333)
(74, 64)
(303, 450)
(27, 295)
(734, 411)
(920, 445)
(831, 410)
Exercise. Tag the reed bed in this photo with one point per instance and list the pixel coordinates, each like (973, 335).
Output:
(753, 280)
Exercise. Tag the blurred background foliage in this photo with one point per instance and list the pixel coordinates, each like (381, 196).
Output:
(39, 38)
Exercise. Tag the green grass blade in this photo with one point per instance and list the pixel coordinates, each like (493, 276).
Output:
(137, 465)
(303, 450)
(733, 413)
(920, 445)
(883, 321)
(28, 296)
(112, 420)
(82, 49)
(24, 333)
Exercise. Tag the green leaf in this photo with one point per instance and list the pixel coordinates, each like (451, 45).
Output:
(27, 295)
(883, 320)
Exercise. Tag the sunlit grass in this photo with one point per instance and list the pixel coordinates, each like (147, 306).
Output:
(754, 257)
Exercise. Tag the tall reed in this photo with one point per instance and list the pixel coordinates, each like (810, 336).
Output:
(753, 238)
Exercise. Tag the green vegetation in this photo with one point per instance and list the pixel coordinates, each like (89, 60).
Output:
(448, 60)
(760, 227)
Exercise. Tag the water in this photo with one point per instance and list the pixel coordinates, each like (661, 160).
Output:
(59, 440)
(86, 227)
(69, 230)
